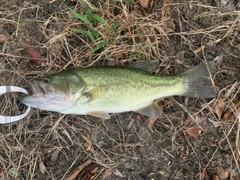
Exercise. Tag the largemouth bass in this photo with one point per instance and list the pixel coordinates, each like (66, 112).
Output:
(98, 91)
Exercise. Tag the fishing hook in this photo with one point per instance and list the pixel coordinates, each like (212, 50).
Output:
(11, 119)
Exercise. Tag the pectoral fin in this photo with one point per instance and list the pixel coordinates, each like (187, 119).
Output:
(152, 110)
(100, 114)
(96, 93)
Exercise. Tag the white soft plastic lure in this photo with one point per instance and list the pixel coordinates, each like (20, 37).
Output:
(11, 119)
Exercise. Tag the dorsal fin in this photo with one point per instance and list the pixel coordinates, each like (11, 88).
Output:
(148, 66)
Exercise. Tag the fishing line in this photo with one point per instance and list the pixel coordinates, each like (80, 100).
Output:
(11, 119)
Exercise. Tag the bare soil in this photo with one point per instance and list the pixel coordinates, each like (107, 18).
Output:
(180, 34)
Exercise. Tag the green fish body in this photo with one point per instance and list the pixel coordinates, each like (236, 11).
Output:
(99, 91)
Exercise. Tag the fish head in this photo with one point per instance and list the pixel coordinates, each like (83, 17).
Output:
(57, 92)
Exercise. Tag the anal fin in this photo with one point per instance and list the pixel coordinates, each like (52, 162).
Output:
(152, 110)
(100, 114)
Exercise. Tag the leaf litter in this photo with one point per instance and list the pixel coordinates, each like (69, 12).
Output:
(147, 3)
(219, 107)
(200, 30)
(85, 171)
(35, 57)
(195, 132)
(89, 143)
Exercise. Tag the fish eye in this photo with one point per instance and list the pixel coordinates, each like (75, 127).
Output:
(47, 80)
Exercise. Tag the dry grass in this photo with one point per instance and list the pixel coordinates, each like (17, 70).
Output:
(178, 34)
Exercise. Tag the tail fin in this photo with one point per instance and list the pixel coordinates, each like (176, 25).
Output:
(198, 82)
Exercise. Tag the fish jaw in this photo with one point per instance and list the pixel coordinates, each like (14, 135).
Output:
(46, 99)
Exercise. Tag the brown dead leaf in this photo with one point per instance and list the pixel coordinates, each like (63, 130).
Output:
(222, 173)
(35, 57)
(151, 121)
(99, 13)
(199, 49)
(219, 107)
(42, 167)
(147, 3)
(72, 0)
(205, 174)
(144, 3)
(139, 117)
(187, 122)
(55, 156)
(89, 147)
(229, 112)
(195, 132)
(170, 25)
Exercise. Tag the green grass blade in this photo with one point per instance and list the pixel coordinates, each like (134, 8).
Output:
(79, 31)
(149, 45)
(98, 18)
(99, 46)
(89, 33)
(115, 26)
(79, 16)
(95, 34)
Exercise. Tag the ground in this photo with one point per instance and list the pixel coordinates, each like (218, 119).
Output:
(179, 34)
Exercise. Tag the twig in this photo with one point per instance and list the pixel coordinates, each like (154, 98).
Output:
(78, 170)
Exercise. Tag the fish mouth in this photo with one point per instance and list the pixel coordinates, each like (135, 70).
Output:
(39, 95)
(38, 90)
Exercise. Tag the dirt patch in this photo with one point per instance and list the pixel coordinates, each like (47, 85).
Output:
(48, 145)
